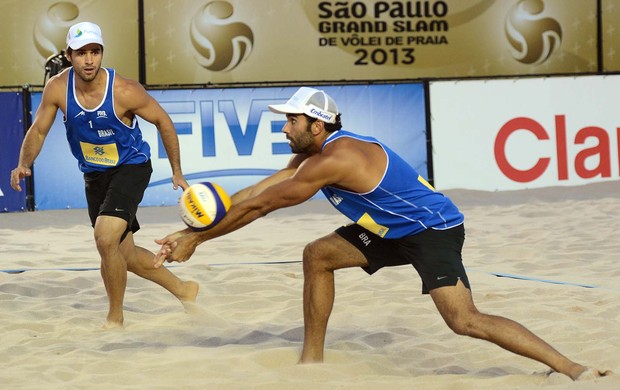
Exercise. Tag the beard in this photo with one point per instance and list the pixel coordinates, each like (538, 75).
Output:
(302, 143)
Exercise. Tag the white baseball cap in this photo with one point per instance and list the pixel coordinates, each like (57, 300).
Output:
(312, 102)
(82, 34)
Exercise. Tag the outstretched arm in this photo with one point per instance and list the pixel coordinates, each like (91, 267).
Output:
(283, 189)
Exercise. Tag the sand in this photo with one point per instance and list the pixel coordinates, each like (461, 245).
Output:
(545, 258)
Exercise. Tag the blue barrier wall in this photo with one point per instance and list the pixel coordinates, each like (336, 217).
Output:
(11, 134)
(229, 136)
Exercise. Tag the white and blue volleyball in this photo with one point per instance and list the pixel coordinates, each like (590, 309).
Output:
(203, 205)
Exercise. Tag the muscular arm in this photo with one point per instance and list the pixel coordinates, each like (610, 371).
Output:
(134, 99)
(290, 191)
(277, 177)
(52, 98)
(286, 188)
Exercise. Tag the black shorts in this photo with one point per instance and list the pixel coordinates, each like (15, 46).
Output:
(117, 192)
(435, 254)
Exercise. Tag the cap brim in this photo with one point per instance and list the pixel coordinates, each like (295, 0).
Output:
(284, 109)
(80, 44)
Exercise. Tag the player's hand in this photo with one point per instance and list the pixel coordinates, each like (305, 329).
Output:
(17, 175)
(177, 247)
(179, 181)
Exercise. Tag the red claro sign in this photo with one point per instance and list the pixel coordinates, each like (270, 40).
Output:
(602, 150)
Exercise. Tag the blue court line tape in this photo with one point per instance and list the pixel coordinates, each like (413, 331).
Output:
(540, 280)
(497, 274)
(256, 263)
(22, 270)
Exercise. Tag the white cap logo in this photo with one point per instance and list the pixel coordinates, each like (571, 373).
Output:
(312, 102)
(82, 34)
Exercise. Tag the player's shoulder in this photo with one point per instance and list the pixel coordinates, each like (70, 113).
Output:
(332, 155)
(341, 146)
(126, 88)
(121, 81)
(56, 87)
(58, 80)
(346, 154)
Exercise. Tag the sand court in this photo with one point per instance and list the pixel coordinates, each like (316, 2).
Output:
(546, 258)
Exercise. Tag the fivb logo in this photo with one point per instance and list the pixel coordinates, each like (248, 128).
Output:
(218, 117)
(242, 132)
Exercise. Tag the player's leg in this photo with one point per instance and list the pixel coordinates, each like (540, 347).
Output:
(438, 260)
(113, 197)
(108, 232)
(457, 308)
(140, 262)
(320, 259)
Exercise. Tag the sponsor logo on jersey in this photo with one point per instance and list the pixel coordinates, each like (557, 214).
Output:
(100, 154)
(335, 199)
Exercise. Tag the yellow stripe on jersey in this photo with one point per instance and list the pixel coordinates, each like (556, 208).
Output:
(427, 184)
(368, 223)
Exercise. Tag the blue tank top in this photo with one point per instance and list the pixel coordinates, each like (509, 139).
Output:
(402, 204)
(98, 139)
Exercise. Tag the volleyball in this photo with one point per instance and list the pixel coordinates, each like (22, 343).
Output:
(203, 205)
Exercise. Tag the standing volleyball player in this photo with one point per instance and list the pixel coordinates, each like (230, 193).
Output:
(398, 218)
(100, 110)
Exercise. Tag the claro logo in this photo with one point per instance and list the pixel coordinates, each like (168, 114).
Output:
(601, 151)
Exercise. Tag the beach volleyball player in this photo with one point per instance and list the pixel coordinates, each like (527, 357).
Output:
(398, 219)
(100, 109)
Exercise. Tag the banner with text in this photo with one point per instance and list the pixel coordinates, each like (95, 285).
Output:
(229, 136)
(281, 40)
(529, 133)
(236, 41)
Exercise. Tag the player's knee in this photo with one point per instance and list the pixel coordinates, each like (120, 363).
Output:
(462, 324)
(461, 328)
(314, 257)
(105, 243)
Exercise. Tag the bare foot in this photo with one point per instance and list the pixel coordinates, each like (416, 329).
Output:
(592, 373)
(188, 300)
(188, 292)
(111, 325)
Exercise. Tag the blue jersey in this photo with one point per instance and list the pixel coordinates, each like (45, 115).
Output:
(98, 139)
(402, 204)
